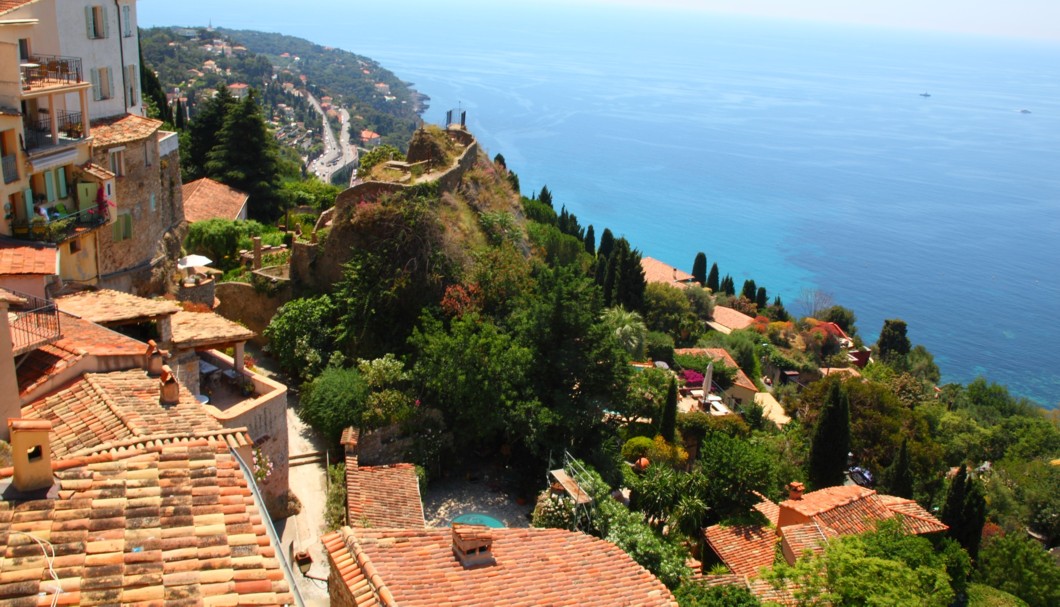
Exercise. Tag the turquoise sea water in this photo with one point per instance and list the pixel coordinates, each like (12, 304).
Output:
(799, 155)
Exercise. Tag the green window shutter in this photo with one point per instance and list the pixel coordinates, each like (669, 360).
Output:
(60, 173)
(110, 83)
(106, 21)
(27, 199)
(93, 75)
(153, 202)
(89, 27)
(127, 228)
(115, 230)
(49, 185)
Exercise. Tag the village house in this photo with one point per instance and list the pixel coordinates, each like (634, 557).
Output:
(380, 496)
(122, 488)
(659, 272)
(208, 199)
(726, 320)
(743, 390)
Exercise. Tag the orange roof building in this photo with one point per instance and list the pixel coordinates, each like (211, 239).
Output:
(473, 565)
(659, 272)
(742, 389)
(726, 320)
(208, 199)
(380, 496)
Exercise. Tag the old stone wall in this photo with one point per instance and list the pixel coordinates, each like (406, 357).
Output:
(241, 302)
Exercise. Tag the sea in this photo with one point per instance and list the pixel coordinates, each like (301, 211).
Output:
(907, 174)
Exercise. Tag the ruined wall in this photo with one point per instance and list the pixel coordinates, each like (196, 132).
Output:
(241, 302)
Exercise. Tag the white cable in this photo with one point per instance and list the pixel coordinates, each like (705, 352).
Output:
(45, 545)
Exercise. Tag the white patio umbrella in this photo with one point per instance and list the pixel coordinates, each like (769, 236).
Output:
(708, 376)
(193, 260)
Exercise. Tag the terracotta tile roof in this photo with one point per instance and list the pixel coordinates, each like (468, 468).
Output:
(723, 355)
(768, 508)
(771, 595)
(18, 259)
(657, 271)
(733, 319)
(98, 409)
(122, 129)
(114, 307)
(197, 329)
(853, 509)
(743, 548)
(417, 568)
(6, 6)
(383, 496)
(808, 536)
(79, 338)
(208, 199)
(915, 519)
(97, 171)
(172, 524)
(844, 371)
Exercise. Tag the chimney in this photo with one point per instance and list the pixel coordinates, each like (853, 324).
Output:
(10, 402)
(350, 439)
(31, 453)
(257, 252)
(473, 545)
(795, 490)
(169, 389)
(155, 359)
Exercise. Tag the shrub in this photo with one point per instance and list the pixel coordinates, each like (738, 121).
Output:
(636, 448)
(660, 346)
(335, 502)
(334, 401)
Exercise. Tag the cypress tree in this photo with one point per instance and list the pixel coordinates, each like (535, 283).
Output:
(607, 244)
(712, 279)
(499, 160)
(611, 277)
(831, 440)
(779, 313)
(728, 286)
(899, 474)
(749, 290)
(590, 240)
(761, 299)
(965, 511)
(699, 268)
(668, 425)
(179, 116)
(545, 196)
(893, 342)
(631, 286)
(951, 509)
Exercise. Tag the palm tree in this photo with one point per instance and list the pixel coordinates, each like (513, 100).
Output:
(629, 328)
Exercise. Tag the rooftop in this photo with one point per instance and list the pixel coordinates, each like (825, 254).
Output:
(208, 199)
(731, 319)
(123, 129)
(175, 524)
(743, 548)
(114, 307)
(657, 271)
(417, 568)
(721, 354)
(7, 6)
(199, 329)
(384, 496)
(20, 258)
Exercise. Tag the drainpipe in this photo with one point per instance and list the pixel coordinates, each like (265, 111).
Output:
(121, 53)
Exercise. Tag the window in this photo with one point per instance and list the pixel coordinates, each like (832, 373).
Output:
(96, 22)
(117, 161)
(154, 204)
(122, 227)
(102, 83)
(75, 246)
(147, 153)
(23, 50)
(132, 81)
(126, 21)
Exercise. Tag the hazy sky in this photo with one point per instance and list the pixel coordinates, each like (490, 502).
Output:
(1014, 18)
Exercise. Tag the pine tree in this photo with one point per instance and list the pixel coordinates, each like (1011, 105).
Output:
(668, 425)
(205, 132)
(545, 196)
(749, 290)
(699, 268)
(631, 282)
(590, 240)
(761, 299)
(712, 279)
(499, 161)
(779, 312)
(899, 475)
(831, 440)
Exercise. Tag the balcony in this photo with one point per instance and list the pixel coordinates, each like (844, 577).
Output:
(33, 324)
(41, 72)
(10, 164)
(60, 229)
(38, 133)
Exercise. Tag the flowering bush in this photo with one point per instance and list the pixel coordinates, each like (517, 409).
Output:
(262, 465)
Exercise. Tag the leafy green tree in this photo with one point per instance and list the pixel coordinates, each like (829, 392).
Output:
(302, 336)
(701, 300)
(310, 192)
(697, 594)
(668, 425)
(219, 239)
(712, 279)
(893, 342)
(667, 309)
(205, 133)
(334, 401)
(844, 317)
(153, 94)
(247, 158)
(388, 401)
(732, 470)
(699, 268)
(831, 440)
(922, 365)
(898, 478)
(628, 328)
(1018, 565)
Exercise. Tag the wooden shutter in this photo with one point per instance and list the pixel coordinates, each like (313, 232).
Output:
(110, 83)
(60, 174)
(106, 20)
(27, 199)
(93, 75)
(90, 27)
(49, 185)
(127, 226)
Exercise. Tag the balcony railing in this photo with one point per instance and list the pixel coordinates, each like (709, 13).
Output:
(70, 127)
(62, 228)
(34, 324)
(10, 163)
(50, 70)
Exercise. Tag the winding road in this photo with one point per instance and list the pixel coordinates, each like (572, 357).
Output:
(336, 154)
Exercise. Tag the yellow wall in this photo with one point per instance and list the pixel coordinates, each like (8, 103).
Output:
(80, 266)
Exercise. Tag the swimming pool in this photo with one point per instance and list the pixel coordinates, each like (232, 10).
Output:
(477, 518)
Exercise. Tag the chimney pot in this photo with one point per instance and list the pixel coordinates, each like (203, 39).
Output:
(169, 389)
(795, 490)
(31, 453)
(473, 545)
(154, 359)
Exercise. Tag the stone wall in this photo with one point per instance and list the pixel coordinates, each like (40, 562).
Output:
(144, 263)
(201, 293)
(243, 303)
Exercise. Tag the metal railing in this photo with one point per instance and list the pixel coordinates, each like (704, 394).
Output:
(35, 323)
(61, 228)
(44, 70)
(10, 163)
(70, 126)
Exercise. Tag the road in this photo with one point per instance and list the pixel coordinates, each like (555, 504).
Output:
(336, 154)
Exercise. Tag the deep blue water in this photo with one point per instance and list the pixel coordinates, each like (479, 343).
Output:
(799, 155)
